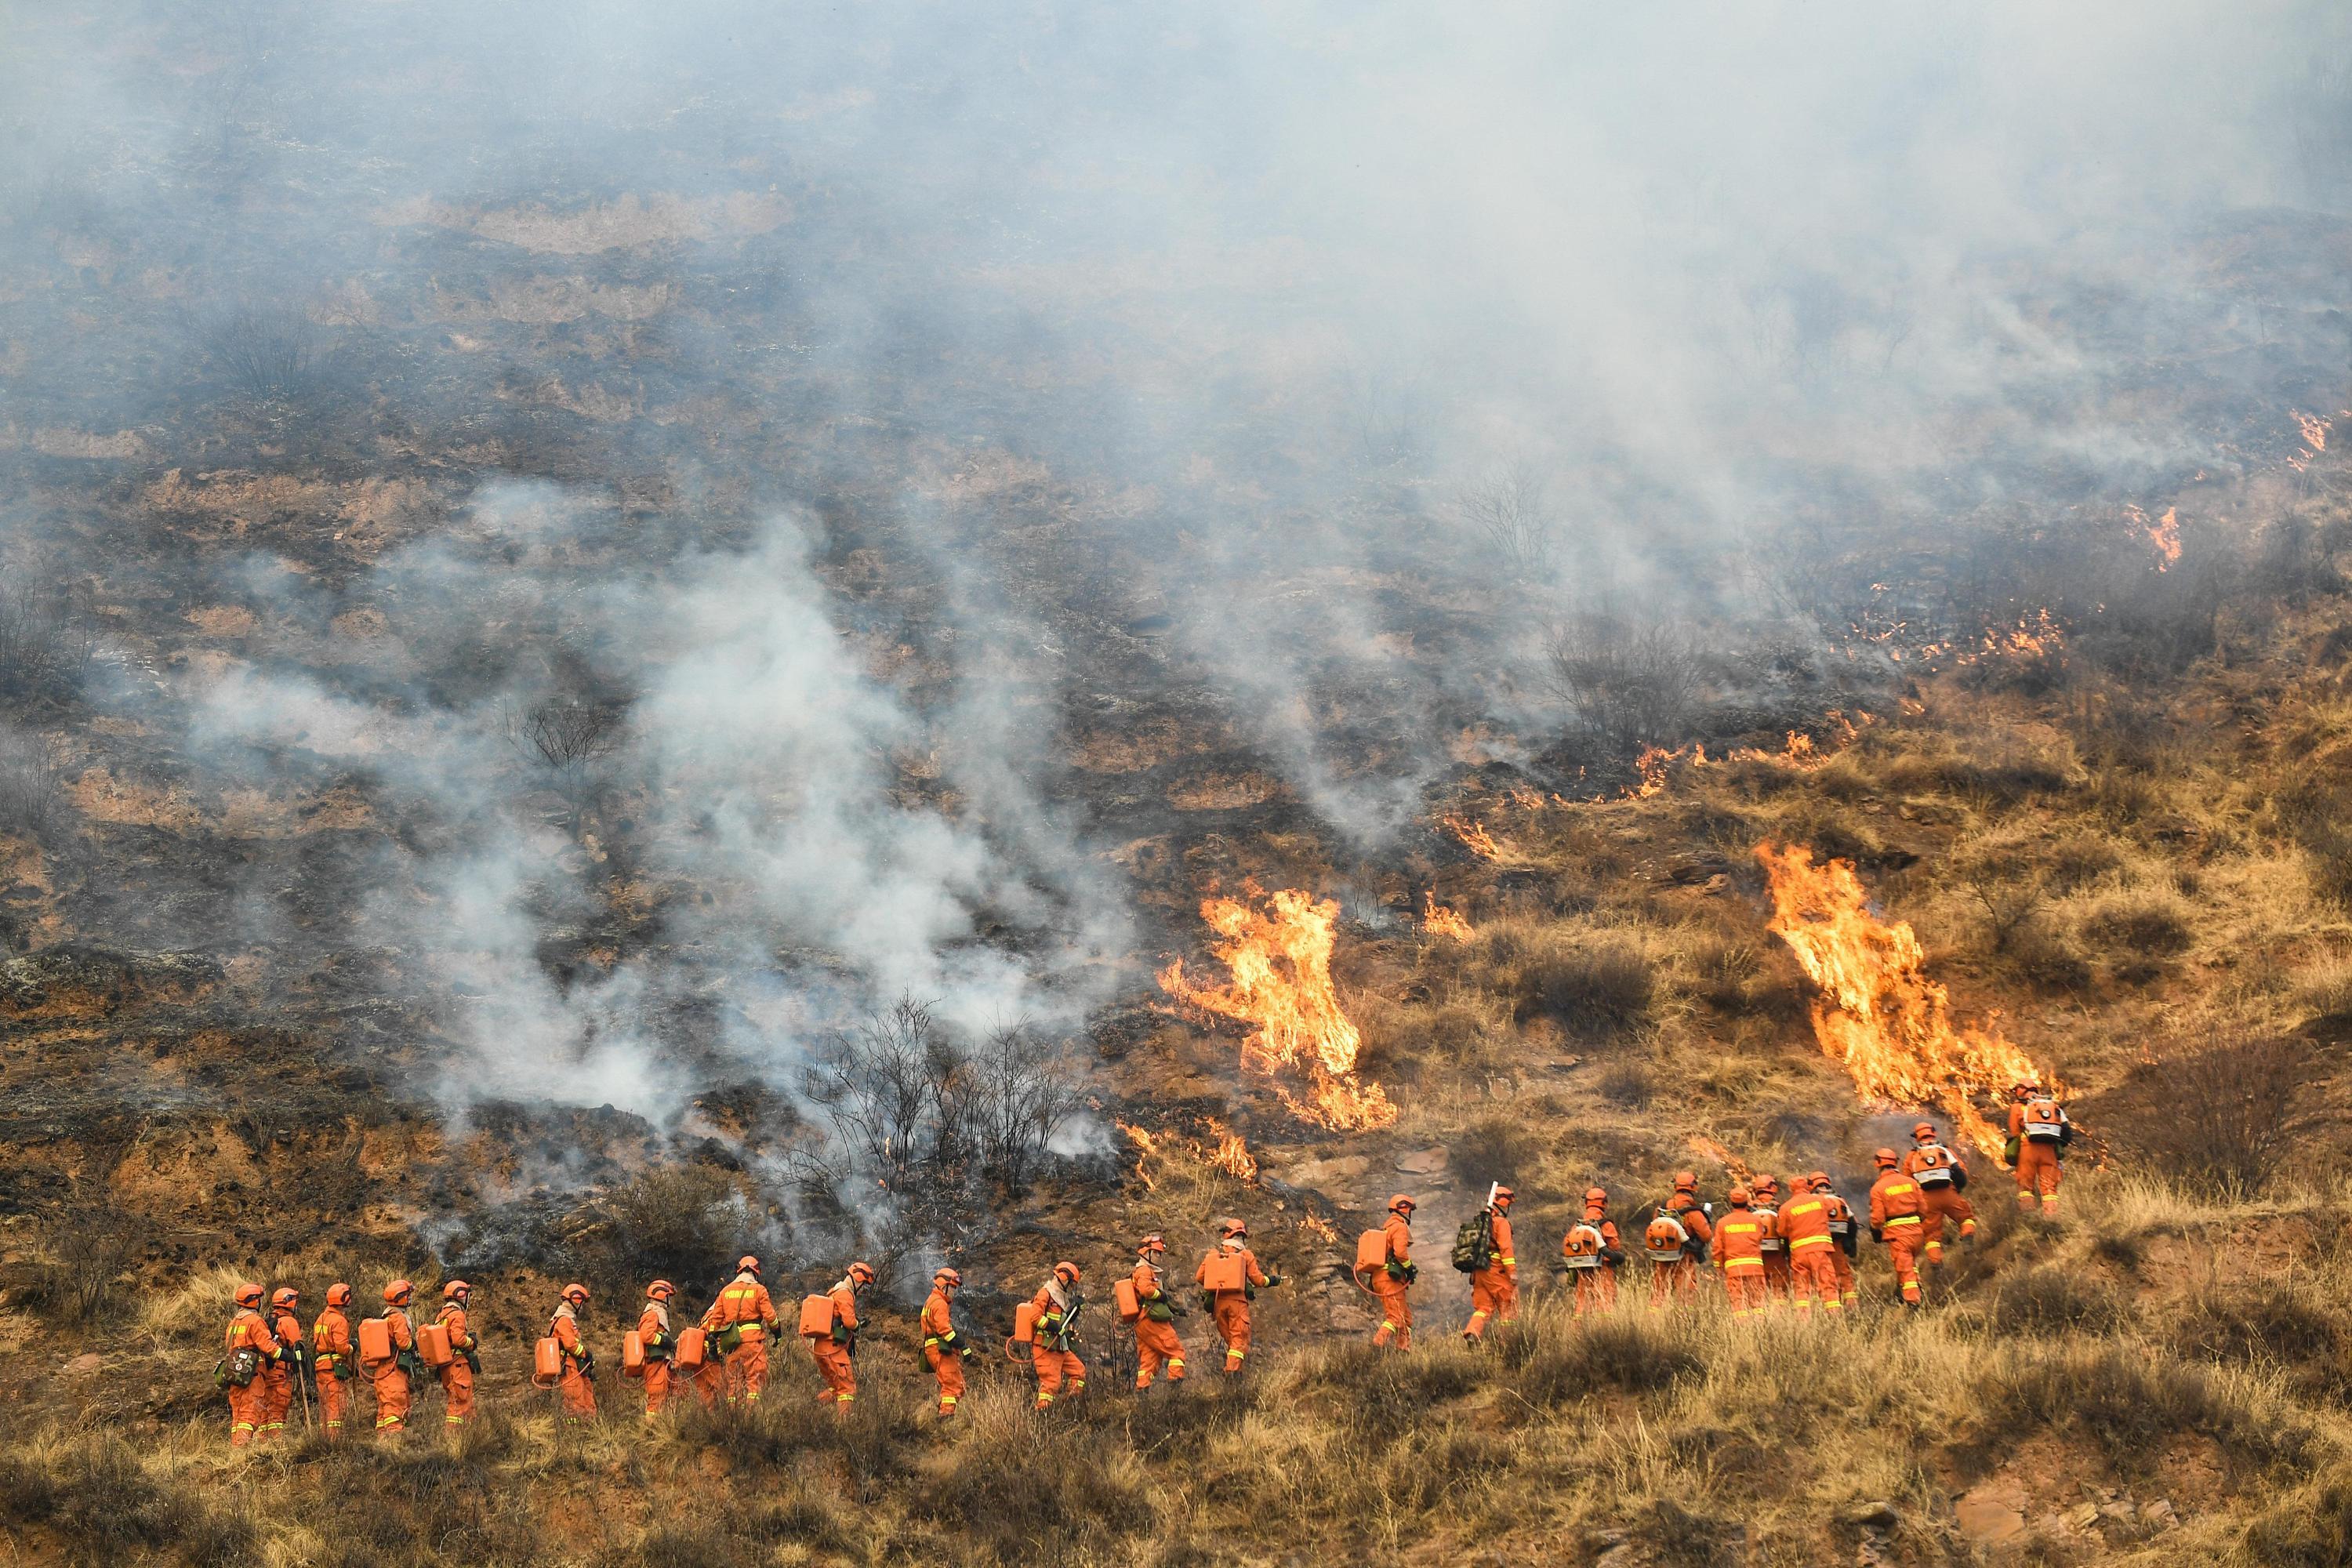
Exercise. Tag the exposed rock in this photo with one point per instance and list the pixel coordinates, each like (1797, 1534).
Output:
(1993, 1513)
(84, 1364)
(2159, 1516)
(1425, 1162)
(1876, 1515)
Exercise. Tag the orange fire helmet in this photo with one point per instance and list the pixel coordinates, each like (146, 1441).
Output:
(947, 1276)
(1819, 1178)
(861, 1272)
(1067, 1272)
(1686, 1181)
(1596, 1194)
(339, 1294)
(397, 1293)
(660, 1290)
(1229, 1228)
(1401, 1203)
(1503, 1196)
(746, 1264)
(1738, 1196)
(1150, 1245)
(284, 1296)
(248, 1295)
(1924, 1134)
(576, 1294)
(2020, 1091)
(456, 1291)
(1764, 1181)
(1884, 1157)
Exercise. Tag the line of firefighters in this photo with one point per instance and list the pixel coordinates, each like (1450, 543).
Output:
(1798, 1248)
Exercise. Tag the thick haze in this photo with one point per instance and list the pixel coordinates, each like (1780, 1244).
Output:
(1250, 293)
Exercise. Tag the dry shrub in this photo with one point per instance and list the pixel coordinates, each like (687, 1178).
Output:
(1499, 1149)
(2262, 1322)
(2311, 1528)
(669, 1223)
(1556, 1363)
(1052, 1495)
(106, 1509)
(2052, 1301)
(1723, 966)
(2325, 996)
(2146, 924)
(2220, 1118)
(2128, 1402)
(1630, 686)
(2079, 859)
(2043, 953)
(1600, 989)
(1628, 1084)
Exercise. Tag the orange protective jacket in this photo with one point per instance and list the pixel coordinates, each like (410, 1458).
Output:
(460, 1328)
(1894, 1199)
(1400, 1236)
(1050, 1308)
(1684, 1206)
(652, 1331)
(331, 1340)
(843, 1297)
(1250, 1271)
(745, 1303)
(1805, 1221)
(395, 1323)
(1740, 1239)
(250, 1328)
(1146, 1281)
(564, 1328)
(938, 1321)
(1504, 1256)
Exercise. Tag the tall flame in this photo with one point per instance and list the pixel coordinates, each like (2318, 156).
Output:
(1280, 959)
(1444, 920)
(1879, 1013)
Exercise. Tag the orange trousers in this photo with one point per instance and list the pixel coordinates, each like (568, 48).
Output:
(457, 1392)
(1745, 1284)
(1903, 1252)
(1494, 1294)
(277, 1386)
(334, 1398)
(833, 1363)
(948, 1367)
(1596, 1290)
(1396, 1312)
(1778, 1277)
(244, 1413)
(2037, 1173)
(658, 1379)
(1812, 1274)
(1668, 1280)
(711, 1383)
(576, 1394)
(1057, 1369)
(391, 1400)
(1156, 1345)
(747, 1370)
(1848, 1291)
(1940, 1208)
(1233, 1328)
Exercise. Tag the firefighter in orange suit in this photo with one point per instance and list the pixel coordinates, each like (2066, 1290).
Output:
(711, 1378)
(653, 1333)
(1231, 1309)
(1054, 1354)
(944, 1347)
(1156, 1342)
(330, 1355)
(2041, 1127)
(391, 1374)
(1943, 1202)
(1841, 1237)
(280, 1376)
(837, 1348)
(1895, 1220)
(249, 1348)
(577, 1386)
(465, 1354)
(1739, 1253)
(1591, 1254)
(1677, 1250)
(1494, 1289)
(744, 1319)
(1804, 1226)
(1764, 1198)
(1392, 1280)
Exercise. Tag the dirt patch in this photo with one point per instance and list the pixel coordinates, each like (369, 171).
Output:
(100, 797)
(366, 624)
(222, 620)
(373, 513)
(630, 222)
(123, 446)
(550, 301)
(1226, 791)
(1133, 751)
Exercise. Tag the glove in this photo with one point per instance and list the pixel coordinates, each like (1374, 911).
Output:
(966, 1351)
(1272, 1281)
(1878, 1236)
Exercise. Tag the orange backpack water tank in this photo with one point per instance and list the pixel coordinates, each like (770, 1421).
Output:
(816, 1317)
(633, 1355)
(1583, 1247)
(1665, 1238)
(1024, 1323)
(376, 1339)
(1227, 1272)
(547, 1362)
(432, 1346)
(1130, 1306)
(690, 1350)
(1371, 1251)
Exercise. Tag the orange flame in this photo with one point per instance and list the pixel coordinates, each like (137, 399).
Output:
(1228, 1153)
(1320, 1228)
(1438, 919)
(1879, 1013)
(2164, 533)
(1474, 836)
(1231, 1155)
(1280, 959)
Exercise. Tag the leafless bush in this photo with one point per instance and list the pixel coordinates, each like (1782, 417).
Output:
(567, 733)
(89, 1247)
(2221, 1117)
(32, 785)
(1508, 510)
(2008, 885)
(267, 356)
(940, 1126)
(47, 637)
(1632, 687)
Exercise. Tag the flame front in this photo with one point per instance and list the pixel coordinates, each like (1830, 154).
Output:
(1879, 1013)
(1280, 959)
(1474, 835)
(1441, 920)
